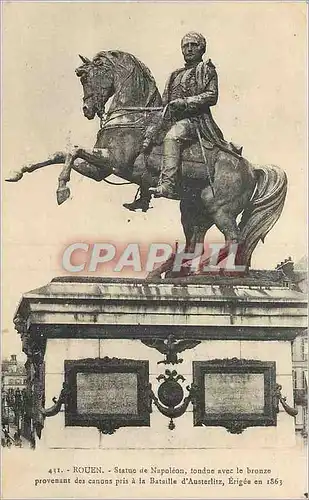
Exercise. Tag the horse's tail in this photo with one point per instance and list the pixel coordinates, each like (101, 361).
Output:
(264, 208)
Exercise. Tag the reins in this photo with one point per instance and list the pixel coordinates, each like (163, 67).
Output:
(117, 183)
(128, 110)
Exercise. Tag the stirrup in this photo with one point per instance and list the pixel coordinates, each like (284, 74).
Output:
(162, 192)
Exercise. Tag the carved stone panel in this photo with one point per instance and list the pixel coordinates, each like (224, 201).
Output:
(111, 393)
(235, 393)
(107, 393)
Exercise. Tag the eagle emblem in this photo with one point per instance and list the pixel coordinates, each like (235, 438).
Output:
(171, 347)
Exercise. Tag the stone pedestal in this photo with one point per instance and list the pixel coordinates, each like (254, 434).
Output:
(249, 319)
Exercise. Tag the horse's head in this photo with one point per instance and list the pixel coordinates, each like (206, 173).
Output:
(118, 74)
(97, 80)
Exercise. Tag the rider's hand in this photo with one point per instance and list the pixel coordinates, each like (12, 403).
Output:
(178, 105)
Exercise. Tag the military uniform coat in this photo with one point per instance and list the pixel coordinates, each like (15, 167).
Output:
(200, 97)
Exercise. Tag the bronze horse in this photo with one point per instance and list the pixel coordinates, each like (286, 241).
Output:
(215, 195)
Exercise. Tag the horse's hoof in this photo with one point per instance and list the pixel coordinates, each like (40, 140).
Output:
(14, 176)
(63, 194)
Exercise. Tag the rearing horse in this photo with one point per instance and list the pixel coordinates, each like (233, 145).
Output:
(135, 106)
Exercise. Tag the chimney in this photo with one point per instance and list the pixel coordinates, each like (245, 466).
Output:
(286, 268)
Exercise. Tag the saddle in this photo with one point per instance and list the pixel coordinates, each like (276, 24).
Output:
(197, 166)
(193, 167)
(192, 158)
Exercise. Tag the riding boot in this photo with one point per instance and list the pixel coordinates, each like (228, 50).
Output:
(170, 170)
(141, 202)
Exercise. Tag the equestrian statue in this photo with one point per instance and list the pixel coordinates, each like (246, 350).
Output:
(172, 147)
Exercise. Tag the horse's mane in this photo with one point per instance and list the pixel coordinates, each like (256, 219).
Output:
(128, 64)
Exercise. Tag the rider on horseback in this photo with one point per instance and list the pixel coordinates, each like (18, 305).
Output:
(217, 186)
(189, 93)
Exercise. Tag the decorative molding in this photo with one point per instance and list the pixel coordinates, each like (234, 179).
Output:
(236, 426)
(170, 347)
(236, 362)
(234, 422)
(53, 410)
(160, 332)
(170, 401)
(281, 399)
(91, 416)
(108, 426)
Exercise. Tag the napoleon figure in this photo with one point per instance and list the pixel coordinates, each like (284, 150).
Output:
(189, 92)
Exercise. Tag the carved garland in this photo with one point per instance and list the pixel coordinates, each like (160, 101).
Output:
(170, 401)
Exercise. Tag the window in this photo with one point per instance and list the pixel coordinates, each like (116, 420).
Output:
(304, 349)
(305, 417)
(303, 380)
(294, 350)
(299, 417)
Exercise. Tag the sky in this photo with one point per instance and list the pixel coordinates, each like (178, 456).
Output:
(259, 50)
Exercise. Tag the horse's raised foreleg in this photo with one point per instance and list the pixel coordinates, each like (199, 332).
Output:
(98, 157)
(96, 166)
(63, 191)
(56, 158)
(89, 170)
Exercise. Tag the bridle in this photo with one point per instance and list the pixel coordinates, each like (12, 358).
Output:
(107, 118)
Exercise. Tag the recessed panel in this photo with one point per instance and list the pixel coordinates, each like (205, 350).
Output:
(234, 393)
(111, 393)
(107, 393)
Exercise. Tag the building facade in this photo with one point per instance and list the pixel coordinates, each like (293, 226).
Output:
(13, 374)
(300, 383)
(297, 277)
